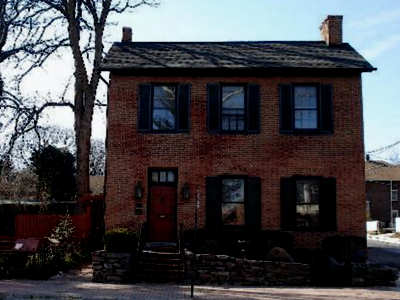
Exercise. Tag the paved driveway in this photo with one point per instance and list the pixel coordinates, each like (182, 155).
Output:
(82, 289)
(385, 254)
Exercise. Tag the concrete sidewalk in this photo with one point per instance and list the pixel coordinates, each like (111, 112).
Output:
(78, 289)
(384, 238)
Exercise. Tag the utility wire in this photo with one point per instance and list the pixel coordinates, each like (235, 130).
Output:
(384, 148)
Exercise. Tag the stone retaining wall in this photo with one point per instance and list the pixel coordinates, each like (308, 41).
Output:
(223, 269)
(111, 267)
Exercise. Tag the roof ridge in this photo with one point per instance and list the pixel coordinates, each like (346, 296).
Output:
(223, 42)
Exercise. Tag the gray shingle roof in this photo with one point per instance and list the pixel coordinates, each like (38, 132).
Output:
(233, 55)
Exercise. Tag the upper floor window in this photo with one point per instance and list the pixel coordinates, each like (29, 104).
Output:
(233, 108)
(164, 108)
(306, 108)
(395, 194)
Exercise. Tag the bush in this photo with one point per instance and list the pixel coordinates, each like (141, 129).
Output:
(120, 240)
(61, 253)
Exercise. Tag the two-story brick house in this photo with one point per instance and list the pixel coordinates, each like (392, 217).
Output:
(264, 135)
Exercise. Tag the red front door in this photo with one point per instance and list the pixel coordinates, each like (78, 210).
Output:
(162, 214)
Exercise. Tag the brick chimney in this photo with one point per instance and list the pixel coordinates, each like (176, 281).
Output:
(331, 30)
(126, 34)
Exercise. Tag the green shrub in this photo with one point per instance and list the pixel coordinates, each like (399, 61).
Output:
(120, 240)
(61, 253)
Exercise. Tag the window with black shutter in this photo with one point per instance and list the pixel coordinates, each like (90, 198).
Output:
(308, 203)
(233, 201)
(305, 108)
(233, 108)
(164, 108)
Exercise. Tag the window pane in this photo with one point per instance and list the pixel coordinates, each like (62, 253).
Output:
(164, 108)
(307, 208)
(163, 119)
(307, 216)
(305, 97)
(225, 123)
(233, 108)
(307, 191)
(233, 97)
(154, 176)
(164, 97)
(163, 176)
(240, 125)
(395, 195)
(232, 190)
(171, 176)
(233, 213)
(306, 119)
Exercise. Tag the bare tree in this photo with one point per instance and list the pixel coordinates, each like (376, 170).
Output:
(27, 40)
(83, 23)
(86, 21)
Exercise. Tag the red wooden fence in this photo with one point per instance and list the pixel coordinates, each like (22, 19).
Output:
(39, 226)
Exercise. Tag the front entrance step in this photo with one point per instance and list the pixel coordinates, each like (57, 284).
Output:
(156, 266)
(169, 247)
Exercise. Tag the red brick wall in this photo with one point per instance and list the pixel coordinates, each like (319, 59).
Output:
(269, 155)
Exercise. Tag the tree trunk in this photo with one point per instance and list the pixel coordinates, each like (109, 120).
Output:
(83, 133)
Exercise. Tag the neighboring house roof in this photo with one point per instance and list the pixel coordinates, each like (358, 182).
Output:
(258, 55)
(381, 171)
(96, 185)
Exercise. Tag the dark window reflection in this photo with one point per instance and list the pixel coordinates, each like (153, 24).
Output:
(164, 103)
(233, 108)
(233, 202)
(307, 203)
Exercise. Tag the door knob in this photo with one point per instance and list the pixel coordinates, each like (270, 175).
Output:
(162, 216)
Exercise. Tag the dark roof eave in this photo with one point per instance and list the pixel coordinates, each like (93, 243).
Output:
(164, 71)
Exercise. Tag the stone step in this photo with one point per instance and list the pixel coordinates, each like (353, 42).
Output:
(162, 264)
(155, 265)
(159, 255)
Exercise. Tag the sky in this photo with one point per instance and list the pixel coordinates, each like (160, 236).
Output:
(371, 27)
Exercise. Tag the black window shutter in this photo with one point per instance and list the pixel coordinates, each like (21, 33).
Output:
(213, 107)
(184, 107)
(253, 108)
(286, 108)
(288, 203)
(213, 203)
(253, 203)
(326, 109)
(327, 205)
(144, 107)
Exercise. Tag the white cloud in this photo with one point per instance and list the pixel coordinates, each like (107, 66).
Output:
(381, 18)
(382, 46)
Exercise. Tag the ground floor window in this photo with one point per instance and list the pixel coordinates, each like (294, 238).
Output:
(233, 197)
(233, 201)
(308, 203)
